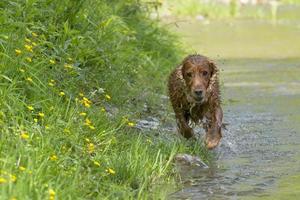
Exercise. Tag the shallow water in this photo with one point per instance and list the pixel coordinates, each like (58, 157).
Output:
(260, 76)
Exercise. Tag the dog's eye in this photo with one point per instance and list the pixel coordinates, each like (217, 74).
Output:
(204, 73)
(189, 74)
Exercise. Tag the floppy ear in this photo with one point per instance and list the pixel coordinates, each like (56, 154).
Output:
(185, 66)
(213, 81)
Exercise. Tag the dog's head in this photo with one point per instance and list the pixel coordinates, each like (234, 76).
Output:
(198, 73)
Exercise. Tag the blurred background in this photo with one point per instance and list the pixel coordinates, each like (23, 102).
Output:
(256, 44)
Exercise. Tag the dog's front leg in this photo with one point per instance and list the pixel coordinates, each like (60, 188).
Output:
(214, 134)
(182, 123)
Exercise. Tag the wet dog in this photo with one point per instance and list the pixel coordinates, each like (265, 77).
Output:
(195, 97)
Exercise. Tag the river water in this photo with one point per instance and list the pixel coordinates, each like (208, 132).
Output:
(259, 156)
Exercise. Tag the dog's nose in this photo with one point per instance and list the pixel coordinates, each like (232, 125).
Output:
(198, 92)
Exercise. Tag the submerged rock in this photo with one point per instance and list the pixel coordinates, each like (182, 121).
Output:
(149, 123)
(189, 160)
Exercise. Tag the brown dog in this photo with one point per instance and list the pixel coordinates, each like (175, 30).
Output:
(195, 96)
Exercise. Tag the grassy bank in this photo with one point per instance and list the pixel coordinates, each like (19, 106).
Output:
(74, 77)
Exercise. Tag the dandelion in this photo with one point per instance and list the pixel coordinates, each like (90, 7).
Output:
(62, 94)
(52, 61)
(18, 51)
(41, 114)
(92, 127)
(35, 120)
(24, 135)
(103, 109)
(2, 180)
(31, 108)
(21, 168)
(53, 158)
(34, 34)
(107, 97)
(82, 114)
(131, 124)
(91, 147)
(22, 70)
(97, 163)
(29, 79)
(110, 171)
(13, 178)
(51, 194)
(28, 59)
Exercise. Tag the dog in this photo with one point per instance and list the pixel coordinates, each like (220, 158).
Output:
(195, 97)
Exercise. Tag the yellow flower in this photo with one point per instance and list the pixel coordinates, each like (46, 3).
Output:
(103, 109)
(51, 84)
(22, 70)
(22, 168)
(53, 158)
(91, 147)
(18, 51)
(28, 59)
(107, 97)
(92, 127)
(68, 66)
(97, 163)
(28, 47)
(52, 61)
(110, 171)
(34, 34)
(13, 178)
(2, 180)
(24, 135)
(131, 124)
(41, 114)
(82, 114)
(35, 120)
(31, 108)
(27, 40)
(87, 122)
(51, 194)
(62, 94)
(29, 79)
(81, 94)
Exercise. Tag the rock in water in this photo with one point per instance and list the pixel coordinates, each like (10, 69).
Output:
(189, 160)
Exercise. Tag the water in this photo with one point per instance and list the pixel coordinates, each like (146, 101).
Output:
(260, 74)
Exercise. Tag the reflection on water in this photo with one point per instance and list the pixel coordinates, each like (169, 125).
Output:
(260, 76)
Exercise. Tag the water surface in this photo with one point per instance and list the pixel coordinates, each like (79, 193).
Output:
(260, 76)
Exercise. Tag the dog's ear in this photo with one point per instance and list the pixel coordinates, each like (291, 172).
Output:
(185, 65)
(213, 68)
(213, 81)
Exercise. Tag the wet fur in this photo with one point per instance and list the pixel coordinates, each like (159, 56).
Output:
(208, 113)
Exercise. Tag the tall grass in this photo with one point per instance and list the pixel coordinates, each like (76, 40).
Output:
(70, 75)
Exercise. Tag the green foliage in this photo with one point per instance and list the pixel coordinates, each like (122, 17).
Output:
(63, 65)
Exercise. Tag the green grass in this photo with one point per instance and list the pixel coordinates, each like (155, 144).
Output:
(74, 76)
